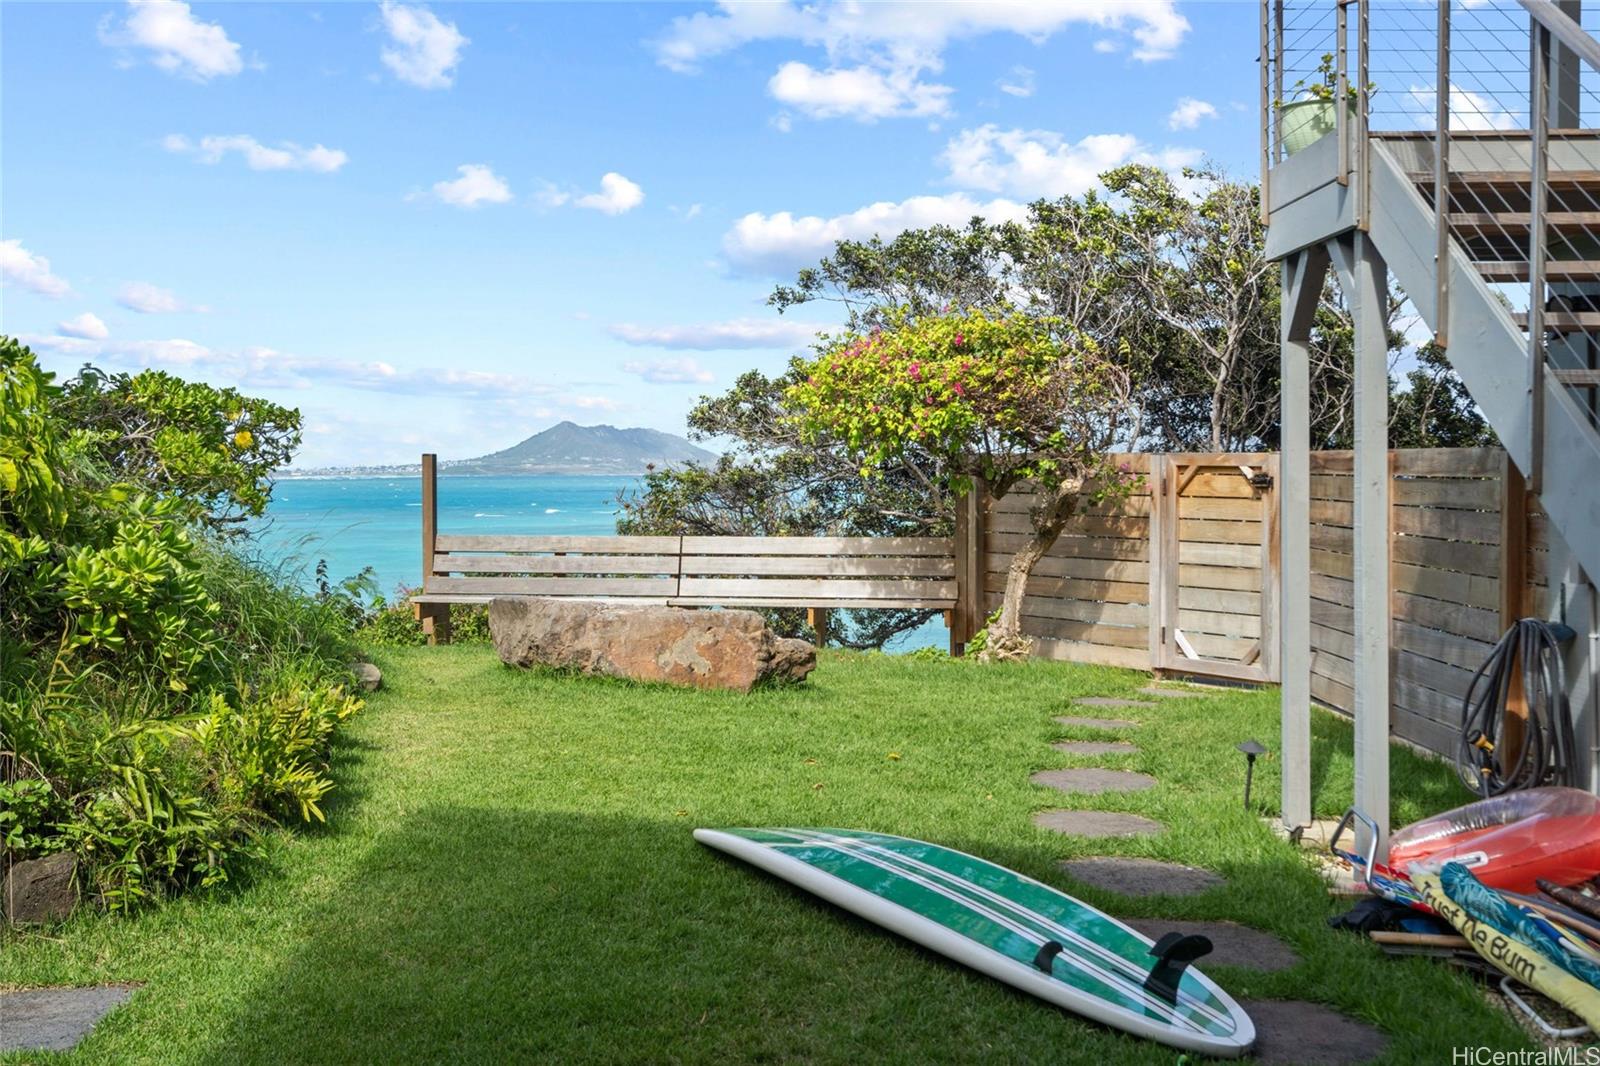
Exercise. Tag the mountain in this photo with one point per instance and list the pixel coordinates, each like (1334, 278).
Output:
(569, 448)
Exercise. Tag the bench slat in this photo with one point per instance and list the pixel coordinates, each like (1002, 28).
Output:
(815, 588)
(822, 565)
(555, 586)
(450, 563)
(819, 546)
(455, 542)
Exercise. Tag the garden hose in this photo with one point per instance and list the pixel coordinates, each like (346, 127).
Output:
(1490, 761)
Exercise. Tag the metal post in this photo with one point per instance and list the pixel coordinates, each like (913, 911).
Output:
(1267, 112)
(1441, 184)
(1341, 89)
(1370, 543)
(1277, 80)
(1363, 166)
(1538, 255)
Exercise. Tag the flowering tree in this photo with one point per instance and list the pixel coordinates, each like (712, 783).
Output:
(1000, 396)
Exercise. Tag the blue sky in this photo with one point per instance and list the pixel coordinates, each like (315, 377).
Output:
(447, 226)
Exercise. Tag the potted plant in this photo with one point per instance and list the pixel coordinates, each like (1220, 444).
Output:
(1309, 116)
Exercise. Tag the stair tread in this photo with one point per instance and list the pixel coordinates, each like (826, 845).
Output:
(1519, 178)
(1573, 320)
(1477, 219)
(1563, 269)
(1589, 378)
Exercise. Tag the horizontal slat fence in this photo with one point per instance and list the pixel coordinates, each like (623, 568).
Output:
(1452, 510)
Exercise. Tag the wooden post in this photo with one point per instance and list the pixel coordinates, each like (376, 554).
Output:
(1365, 277)
(1155, 610)
(1513, 542)
(430, 514)
(967, 617)
(1303, 275)
(1513, 583)
(817, 619)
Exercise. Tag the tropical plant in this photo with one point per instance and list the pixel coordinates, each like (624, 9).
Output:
(999, 396)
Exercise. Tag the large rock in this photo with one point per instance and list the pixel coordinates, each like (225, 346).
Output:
(702, 649)
(41, 890)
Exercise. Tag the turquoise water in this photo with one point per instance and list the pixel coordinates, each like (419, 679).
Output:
(377, 522)
(359, 522)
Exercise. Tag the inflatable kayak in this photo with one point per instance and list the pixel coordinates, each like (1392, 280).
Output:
(1510, 841)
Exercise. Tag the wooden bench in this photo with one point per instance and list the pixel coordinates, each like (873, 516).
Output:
(815, 573)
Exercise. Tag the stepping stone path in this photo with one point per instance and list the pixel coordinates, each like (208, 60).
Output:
(1096, 723)
(1173, 693)
(1232, 944)
(1096, 824)
(55, 1019)
(1092, 779)
(1309, 1034)
(1142, 877)
(1095, 747)
(1110, 701)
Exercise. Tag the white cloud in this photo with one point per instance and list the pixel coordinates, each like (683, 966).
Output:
(178, 42)
(1039, 163)
(781, 243)
(680, 371)
(148, 299)
(260, 367)
(1468, 110)
(1106, 46)
(1188, 113)
(878, 52)
(478, 184)
(862, 93)
(590, 403)
(18, 266)
(907, 32)
(423, 51)
(738, 333)
(1018, 83)
(257, 156)
(692, 212)
(617, 195)
(86, 325)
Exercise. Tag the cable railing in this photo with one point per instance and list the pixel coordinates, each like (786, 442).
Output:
(1491, 108)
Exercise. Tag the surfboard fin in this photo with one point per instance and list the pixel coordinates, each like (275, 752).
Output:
(1174, 952)
(1047, 955)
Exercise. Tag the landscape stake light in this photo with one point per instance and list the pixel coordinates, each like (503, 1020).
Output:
(1251, 749)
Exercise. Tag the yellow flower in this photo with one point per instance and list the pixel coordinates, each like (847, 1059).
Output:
(243, 439)
(894, 756)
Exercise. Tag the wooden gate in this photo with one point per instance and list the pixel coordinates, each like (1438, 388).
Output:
(1214, 565)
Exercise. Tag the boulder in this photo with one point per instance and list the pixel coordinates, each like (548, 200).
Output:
(41, 890)
(701, 649)
(367, 676)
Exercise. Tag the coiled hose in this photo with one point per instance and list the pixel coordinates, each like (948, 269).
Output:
(1545, 756)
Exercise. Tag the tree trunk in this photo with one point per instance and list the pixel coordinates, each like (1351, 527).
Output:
(1048, 517)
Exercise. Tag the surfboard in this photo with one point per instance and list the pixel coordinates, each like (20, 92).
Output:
(1007, 926)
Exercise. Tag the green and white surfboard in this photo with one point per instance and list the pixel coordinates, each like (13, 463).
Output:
(1005, 925)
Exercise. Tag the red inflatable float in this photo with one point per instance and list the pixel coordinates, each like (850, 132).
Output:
(1510, 841)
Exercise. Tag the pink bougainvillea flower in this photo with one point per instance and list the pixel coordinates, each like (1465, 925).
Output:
(961, 338)
(915, 370)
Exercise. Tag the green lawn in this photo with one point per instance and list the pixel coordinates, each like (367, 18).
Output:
(508, 874)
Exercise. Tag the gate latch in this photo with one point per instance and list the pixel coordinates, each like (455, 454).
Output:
(1261, 481)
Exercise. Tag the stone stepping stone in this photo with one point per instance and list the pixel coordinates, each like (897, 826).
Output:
(1232, 944)
(1110, 701)
(1095, 747)
(55, 1019)
(1174, 693)
(1309, 1034)
(1096, 723)
(1142, 877)
(1096, 824)
(1093, 779)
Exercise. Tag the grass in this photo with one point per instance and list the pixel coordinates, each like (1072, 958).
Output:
(508, 874)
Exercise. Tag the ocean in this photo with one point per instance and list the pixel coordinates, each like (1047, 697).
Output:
(376, 521)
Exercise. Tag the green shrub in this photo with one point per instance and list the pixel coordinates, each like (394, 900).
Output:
(396, 626)
(162, 697)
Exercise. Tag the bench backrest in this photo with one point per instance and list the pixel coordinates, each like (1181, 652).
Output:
(554, 566)
(724, 571)
(828, 571)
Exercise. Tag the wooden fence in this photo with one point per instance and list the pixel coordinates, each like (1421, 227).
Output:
(1182, 576)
